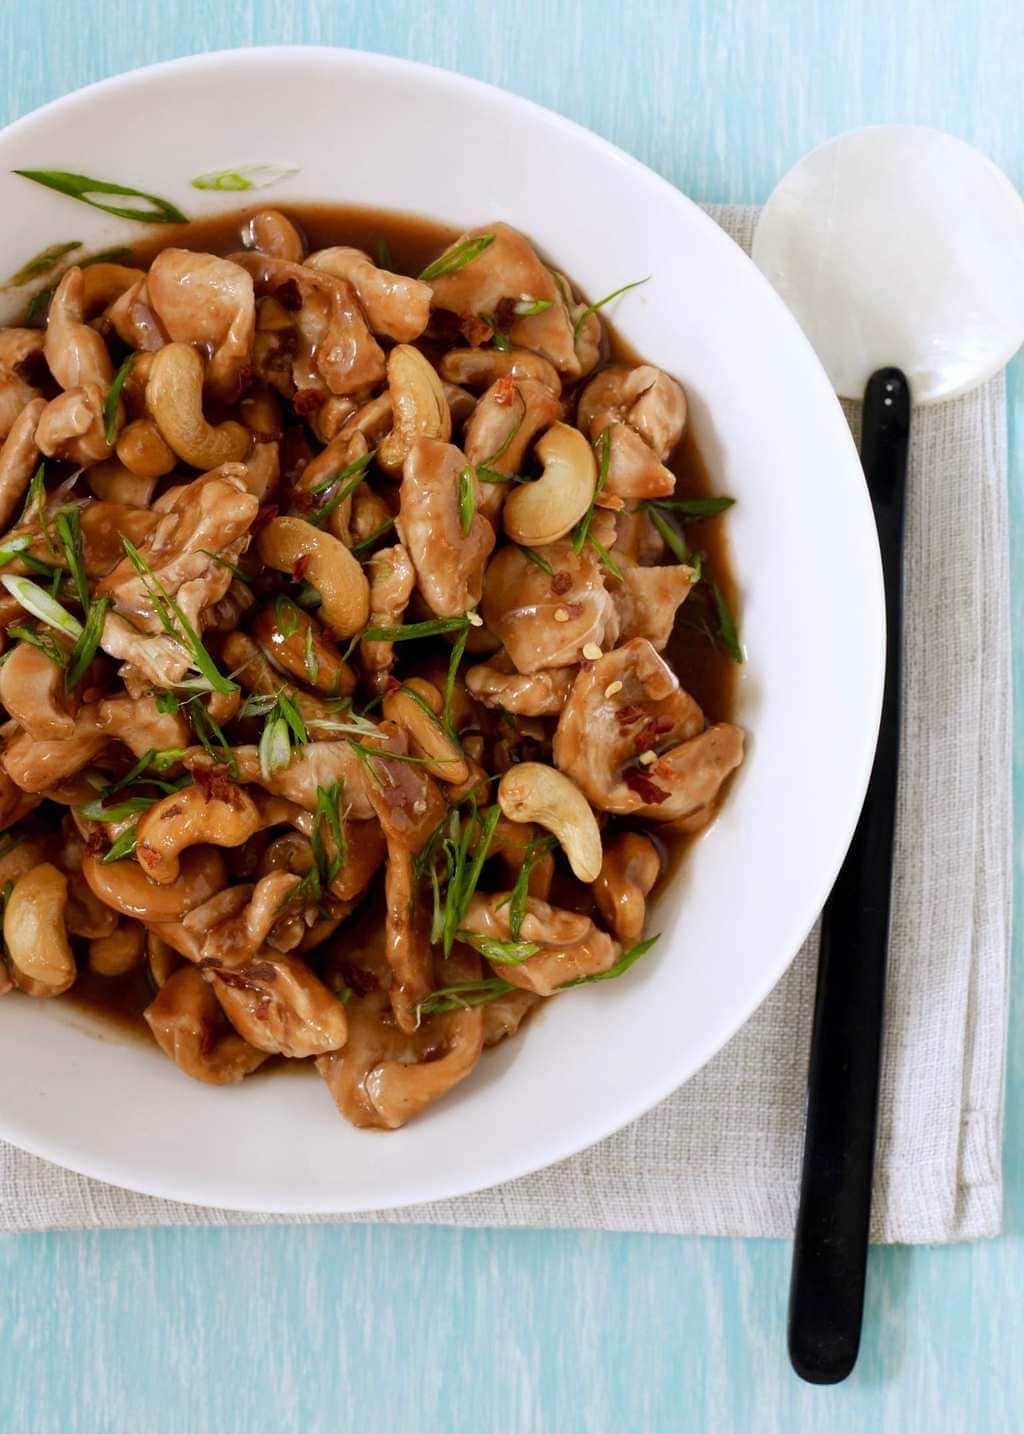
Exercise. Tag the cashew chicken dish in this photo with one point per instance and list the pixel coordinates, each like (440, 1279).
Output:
(367, 641)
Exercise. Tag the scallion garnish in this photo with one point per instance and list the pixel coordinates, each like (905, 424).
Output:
(537, 560)
(13, 548)
(527, 307)
(81, 187)
(37, 308)
(502, 953)
(603, 444)
(593, 308)
(47, 645)
(726, 624)
(113, 398)
(622, 965)
(286, 616)
(354, 473)
(606, 558)
(521, 890)
(371, 538)
(84, 649)
(309, 662)
(246, 176)
(467, 499)
(458, 649)
(40, 604)
(457, 257)
(691, 508)
(169, 613)
(68, 523)
(329, 816)
(35, 506)
(673, 538)
(124, 846)
(434, 627)
(275, 746)
(382, 250)
(42, 263)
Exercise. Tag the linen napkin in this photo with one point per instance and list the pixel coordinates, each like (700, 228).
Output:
(721, 1156)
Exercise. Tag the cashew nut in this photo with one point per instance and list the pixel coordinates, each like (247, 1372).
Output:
(112, 483)
(174, 396)
(119, 953)
(295, 642)
(532, 792)
(478, 368)
(187, 818)
(270, 232)
(396, 306)
(545, 510)
(161, 959)
(416, 706)
(142, 450)
(103, 285)
(124, 886)
(329, 566)
(35, 933)
(418, 403)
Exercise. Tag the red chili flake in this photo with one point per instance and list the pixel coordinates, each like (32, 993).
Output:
(505, 391)
(260, 971)
(288, 294)
(146, 855)
(561, 582)
(630, 713)
(504, 314)
(208, 1037)
(652, 730)
(242, 381)
(644, 787)
(215, 784)
(393, 683)
(307, 401)
(94, 844)
(300, 567)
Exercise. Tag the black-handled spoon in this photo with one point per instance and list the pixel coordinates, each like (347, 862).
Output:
(831, 1244)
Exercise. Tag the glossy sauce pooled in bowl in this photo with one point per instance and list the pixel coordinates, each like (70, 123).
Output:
(374, 982)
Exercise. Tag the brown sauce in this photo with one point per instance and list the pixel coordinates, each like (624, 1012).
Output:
(703, 667)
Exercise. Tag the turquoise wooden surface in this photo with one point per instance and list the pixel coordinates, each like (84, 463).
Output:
(402, 1330)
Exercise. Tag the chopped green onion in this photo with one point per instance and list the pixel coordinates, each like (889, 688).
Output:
(457, 652)
(47, 645)
(527, 307)
(37, 307)
(81, 187)
(84, 649)
(491, 475)
(69, 530)
(309, 661)
(246, 176)
(606, 558)
(288, 710)
(461, 887)
(672, 537)
(521, 891)
(124, 846)
(499, 340)
(371, 538)
(35, 506)
(435, 627)
(43, 262)
(503, 953)
(463, 995)
(537, 560)
(275, 748)
(692, 508)
(40, 604)
(593, 308)
(622, 965)
(166, 609)
(113, 398)
(382, 249)
(603, 444)
(106, 256)
(328, 813)
(233, 568)
(14, 548)
(286, 616)
(726, 624)
(467, 499)
(354, 473)
(457, 257)
(130, 807)
(210, 736)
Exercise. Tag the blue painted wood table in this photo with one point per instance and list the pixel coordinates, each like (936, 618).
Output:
(399, 1329)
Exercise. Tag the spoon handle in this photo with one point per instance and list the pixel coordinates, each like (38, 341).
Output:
(831, 1243)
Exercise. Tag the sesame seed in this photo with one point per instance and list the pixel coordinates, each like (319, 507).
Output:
(612, 688)
(561, 615)
(475, 620)
(648, 758)
(591, 651)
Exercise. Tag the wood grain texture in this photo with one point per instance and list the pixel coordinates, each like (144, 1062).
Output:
(402, 1330)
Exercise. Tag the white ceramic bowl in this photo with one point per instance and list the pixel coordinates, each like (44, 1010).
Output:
(362, 128)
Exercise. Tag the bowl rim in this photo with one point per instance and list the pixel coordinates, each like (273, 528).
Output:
(803, 912)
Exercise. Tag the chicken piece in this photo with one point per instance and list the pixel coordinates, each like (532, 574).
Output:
(546, 619)
(647, 599)
(202, 300)
(19, 458)
(540, 694)
(276, 1004)
(335, 351)
(392, 579)
(298, 645)
(448, 554)
(505, 421)
(32, 689)
(133, 319)
(191, 1029)
(407, 801)
(160, 659)
(140, 725)
(37, 766)
(73, 427)
(22, 373)
(384, 1076)
(75, 353)
(407, 938)
(273, 233)
(503, 1017)
(646, 399)
(316, 764)
(625, 706)
(630, 868)
(636, 537)
(509, 268)
(571, 945)
(396, 307)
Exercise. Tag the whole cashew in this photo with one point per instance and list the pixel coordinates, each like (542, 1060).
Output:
(161, 959)
(418, 403)
(19, 458)
(119, 953)
(187, 818)
(272, 233)
(124, 886)
(416, 706)
(143, 451)
(545, 510)
(532, 792)
(174, 396)
(35, 933)
(103, 285)
(111, 482)
(32, 690)
(478, 368)
(338, 577)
